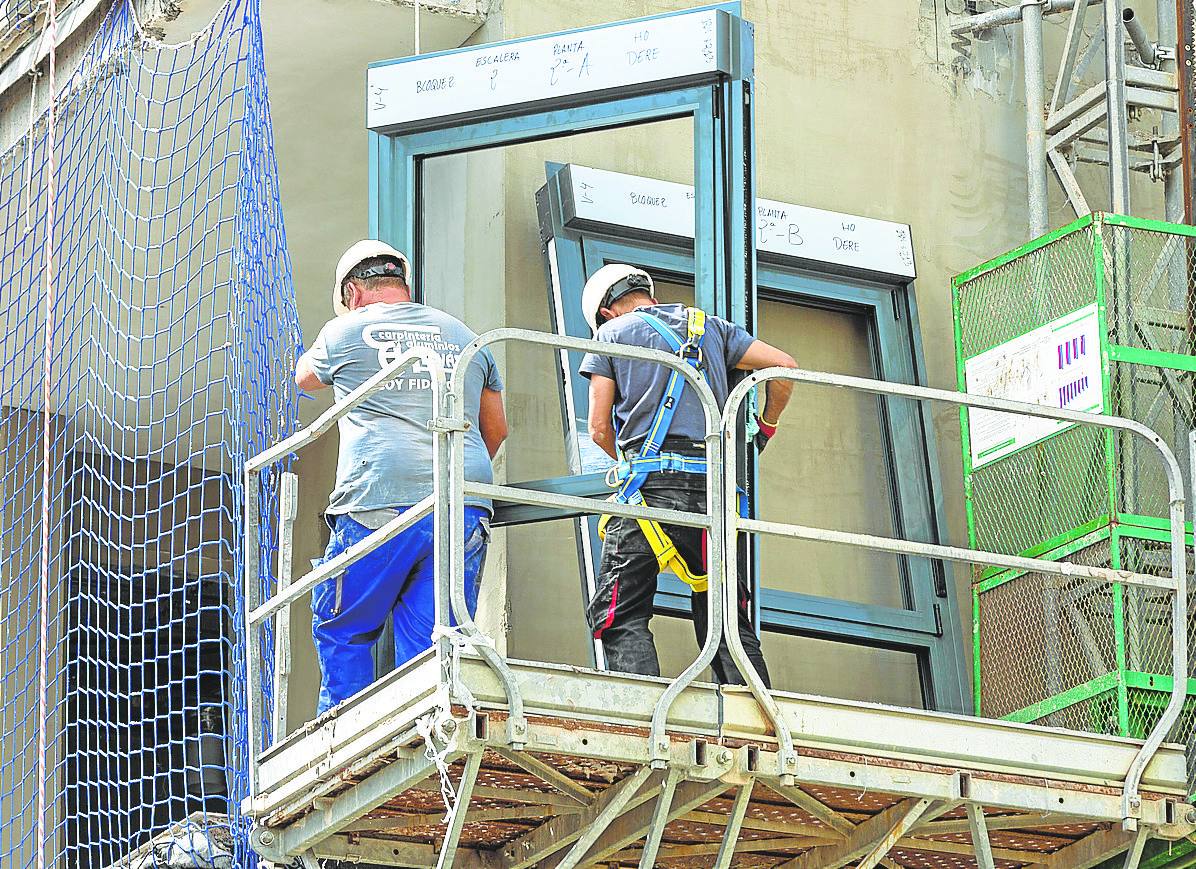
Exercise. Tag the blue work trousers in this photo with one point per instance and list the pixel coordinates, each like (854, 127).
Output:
(398, 578)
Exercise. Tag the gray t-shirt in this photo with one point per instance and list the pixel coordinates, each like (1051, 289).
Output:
(640, 386)
(385, 458)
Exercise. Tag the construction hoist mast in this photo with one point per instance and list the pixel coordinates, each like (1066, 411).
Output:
(1126, 118)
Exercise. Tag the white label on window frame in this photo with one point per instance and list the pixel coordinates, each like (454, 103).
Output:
(532, 70)
(667, 208)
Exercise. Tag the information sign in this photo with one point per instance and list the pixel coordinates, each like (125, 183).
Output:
(1057, 365)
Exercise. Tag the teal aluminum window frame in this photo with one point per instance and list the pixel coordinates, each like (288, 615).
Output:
(720, 106)
(929, 627)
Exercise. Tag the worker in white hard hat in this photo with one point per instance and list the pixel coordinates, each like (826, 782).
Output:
(646, 418)
(385, 465)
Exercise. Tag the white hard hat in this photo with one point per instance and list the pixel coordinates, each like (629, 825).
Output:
(367, 248)
(606, 279)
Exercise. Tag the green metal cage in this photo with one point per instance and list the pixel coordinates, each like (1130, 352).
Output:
(1098, 315)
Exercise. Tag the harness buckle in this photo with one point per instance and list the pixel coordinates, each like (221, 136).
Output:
(612, 476)
(692, 353)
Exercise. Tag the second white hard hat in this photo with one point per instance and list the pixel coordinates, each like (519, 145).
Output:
(608, 280)
(367, 248)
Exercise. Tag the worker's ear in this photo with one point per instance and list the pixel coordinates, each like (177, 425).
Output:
(350, 295)
(605, 314)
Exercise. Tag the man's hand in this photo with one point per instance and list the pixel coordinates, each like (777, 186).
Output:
(305, 376)
(602, 402)
(764, 433)
(492, 420)
(776, 392)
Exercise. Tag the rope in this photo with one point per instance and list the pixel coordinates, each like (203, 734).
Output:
(433, 726)
(47, 366)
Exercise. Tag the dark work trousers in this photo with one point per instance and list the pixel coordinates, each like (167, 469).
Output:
(626, 588)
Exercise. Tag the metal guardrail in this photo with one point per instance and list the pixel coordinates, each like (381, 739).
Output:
(448, 504)
(722, 522)
(1176, 584)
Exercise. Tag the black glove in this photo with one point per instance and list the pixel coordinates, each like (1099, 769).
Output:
(764, 433)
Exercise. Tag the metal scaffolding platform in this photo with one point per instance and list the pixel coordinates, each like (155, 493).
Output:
(874, 783)
(551, 766)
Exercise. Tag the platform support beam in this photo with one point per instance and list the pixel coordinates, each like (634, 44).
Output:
(342, 810)
(660, 817)
(1091, 850)
(549, 775)
(734, 822)
(980, 841)
(904, 824)
(864, 839)
(1134, 856)
(456, 821)
(807, 803)
(613, 808)
(558, 833)
(635, 824)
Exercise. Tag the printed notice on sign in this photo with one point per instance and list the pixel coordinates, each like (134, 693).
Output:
(1057, 365)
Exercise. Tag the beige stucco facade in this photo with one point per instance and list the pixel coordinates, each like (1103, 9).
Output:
(865, 108)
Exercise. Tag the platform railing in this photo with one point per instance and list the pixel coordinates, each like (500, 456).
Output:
(447, 503)
(1176, 584)
(257, 613)
(458, 488)
(721, 521)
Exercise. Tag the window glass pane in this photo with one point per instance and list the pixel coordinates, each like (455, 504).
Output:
(831, 669)
(827, 465)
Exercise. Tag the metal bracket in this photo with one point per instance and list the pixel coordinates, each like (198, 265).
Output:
(447, 424)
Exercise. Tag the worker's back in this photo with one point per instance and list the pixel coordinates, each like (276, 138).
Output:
(641, 385)
(386, 447)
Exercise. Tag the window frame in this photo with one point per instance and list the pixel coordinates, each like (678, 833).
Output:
(929, 627)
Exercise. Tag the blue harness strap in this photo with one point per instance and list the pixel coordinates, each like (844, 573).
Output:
(633, 473)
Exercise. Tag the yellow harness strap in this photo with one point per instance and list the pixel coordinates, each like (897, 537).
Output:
(668, 558)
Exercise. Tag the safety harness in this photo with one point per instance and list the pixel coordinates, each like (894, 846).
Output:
(629, 474)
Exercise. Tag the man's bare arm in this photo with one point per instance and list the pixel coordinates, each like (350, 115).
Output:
(305, 376)
(492, 420)
(776, 392)
(602, 402)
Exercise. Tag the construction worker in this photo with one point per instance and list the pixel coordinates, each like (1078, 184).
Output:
(643, 416)
(385, 465)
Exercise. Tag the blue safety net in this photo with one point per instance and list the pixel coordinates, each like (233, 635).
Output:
(147, 334)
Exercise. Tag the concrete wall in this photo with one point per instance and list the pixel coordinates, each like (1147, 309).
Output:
(863, 108)
(867, 108)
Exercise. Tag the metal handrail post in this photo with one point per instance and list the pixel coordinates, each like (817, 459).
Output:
(442, 554)
(658, 739)
(252, 594)
(786, 754)
(257, 612)
(288, 497)
(1131, 800)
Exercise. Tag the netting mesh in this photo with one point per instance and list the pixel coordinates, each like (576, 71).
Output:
(1042, 636)
(174, 329)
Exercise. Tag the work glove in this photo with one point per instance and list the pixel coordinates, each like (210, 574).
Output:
(764, 433)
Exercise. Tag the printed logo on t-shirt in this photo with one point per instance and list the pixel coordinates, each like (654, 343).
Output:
(392, 339)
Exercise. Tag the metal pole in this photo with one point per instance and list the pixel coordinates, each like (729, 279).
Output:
(253, 662)
(1173, 178)
(288, 496)
(1147, 50)
(1036, 156)
(1118, 120)
(1185, 43)
(1009, 15)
